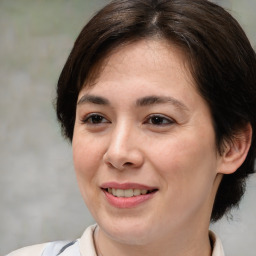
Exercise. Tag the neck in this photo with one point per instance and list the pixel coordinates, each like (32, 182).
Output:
(179, 245)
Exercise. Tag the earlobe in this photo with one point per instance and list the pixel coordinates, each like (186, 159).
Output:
(236, 150)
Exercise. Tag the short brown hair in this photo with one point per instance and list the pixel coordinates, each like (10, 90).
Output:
(222, 63)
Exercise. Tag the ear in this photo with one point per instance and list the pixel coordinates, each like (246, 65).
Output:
(236, 150)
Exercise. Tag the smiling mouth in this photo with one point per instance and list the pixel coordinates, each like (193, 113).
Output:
(128, 192)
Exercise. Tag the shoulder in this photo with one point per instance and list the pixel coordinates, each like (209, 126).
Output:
(48, 249)
(34, 250)
(83, 246)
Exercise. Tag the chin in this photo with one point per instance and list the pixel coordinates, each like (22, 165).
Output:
(129, 232)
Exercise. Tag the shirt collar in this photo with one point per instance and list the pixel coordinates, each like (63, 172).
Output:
(217, 245)
(87, 246)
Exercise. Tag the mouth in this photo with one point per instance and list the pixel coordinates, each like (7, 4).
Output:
(128, 192)
(127, 195)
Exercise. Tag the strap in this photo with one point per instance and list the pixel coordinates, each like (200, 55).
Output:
(60, 248)
(65, 247)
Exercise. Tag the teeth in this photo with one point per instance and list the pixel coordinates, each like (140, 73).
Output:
(127, 192)
(136, 192)
(119, 193)
(143, 191)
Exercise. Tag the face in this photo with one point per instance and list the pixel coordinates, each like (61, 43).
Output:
(144, 146)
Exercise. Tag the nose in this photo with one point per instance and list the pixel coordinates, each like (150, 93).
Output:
(124, 149)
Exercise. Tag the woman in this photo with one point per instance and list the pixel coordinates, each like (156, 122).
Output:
(158, 99)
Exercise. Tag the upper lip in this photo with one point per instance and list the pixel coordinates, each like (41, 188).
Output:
(127, 185)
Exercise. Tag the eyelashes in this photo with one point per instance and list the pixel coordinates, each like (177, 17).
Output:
(94, 119)
(153, 120)
(159, 120)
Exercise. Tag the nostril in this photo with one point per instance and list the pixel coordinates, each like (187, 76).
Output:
(128, 163)
(110, 165)
(119, 167)
(115, 166)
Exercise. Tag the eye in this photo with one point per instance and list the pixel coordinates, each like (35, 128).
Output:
(159, 120)
(94, 119)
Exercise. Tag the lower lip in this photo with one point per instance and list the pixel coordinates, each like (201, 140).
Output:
(127, 202)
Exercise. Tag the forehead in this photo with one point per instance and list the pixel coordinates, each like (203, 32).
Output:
(144, 68)
(158, 53)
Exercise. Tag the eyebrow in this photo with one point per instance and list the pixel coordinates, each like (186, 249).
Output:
(141, 102)
(154, 100)
(93, 99)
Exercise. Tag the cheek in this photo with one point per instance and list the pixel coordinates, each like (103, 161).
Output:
(87, 159)
(86, 154)
(186, 163)
(188, 172)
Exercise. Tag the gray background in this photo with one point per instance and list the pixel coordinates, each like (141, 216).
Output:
(39, 198)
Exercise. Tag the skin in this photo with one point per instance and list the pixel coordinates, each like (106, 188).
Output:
(117, 139)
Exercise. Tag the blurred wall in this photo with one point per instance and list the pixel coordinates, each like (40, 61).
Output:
(39, 198)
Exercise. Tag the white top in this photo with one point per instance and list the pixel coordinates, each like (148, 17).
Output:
(85, 247)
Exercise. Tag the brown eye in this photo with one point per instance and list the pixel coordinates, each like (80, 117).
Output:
(95, 119)
(159, 120)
